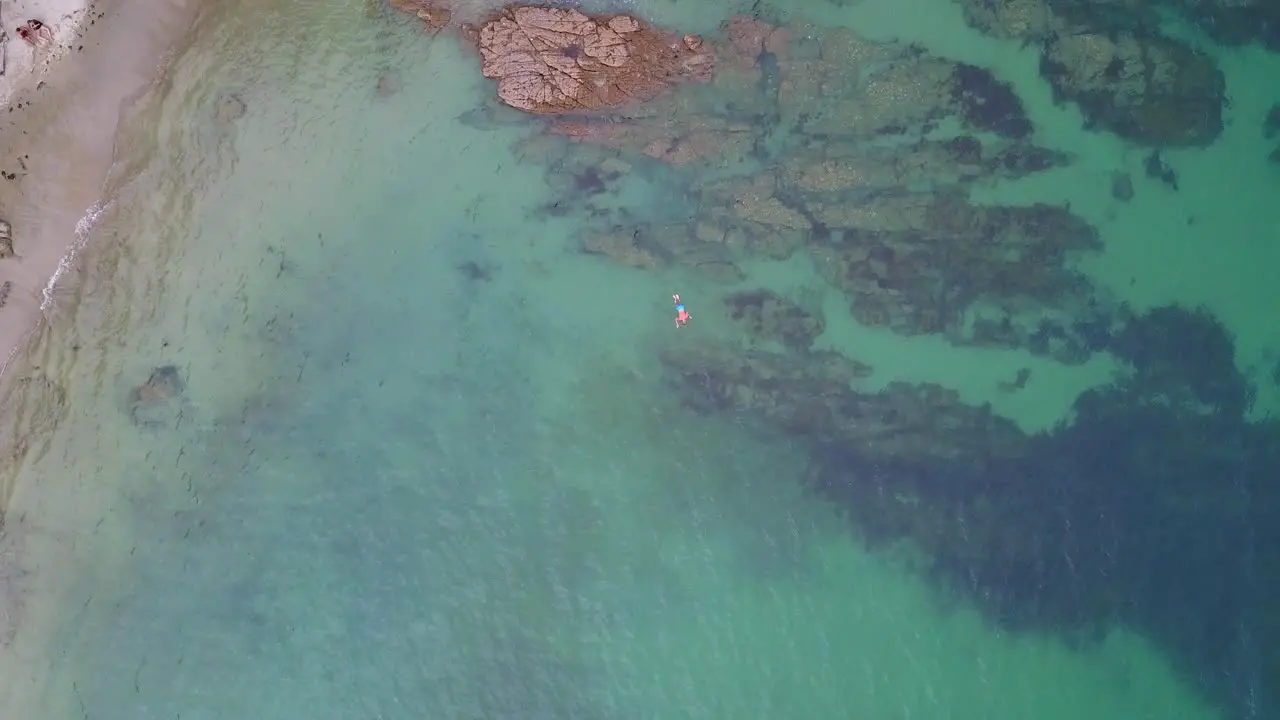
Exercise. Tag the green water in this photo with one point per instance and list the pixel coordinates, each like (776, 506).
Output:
(394, 490)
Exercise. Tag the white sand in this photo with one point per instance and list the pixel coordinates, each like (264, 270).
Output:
(57, 131)
(29, 100)
(25, 64)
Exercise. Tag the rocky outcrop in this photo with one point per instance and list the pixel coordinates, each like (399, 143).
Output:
(1151, 90)
(558, 60)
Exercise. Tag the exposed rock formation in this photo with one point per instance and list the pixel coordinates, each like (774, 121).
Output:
(558, 60)
(1151, 90)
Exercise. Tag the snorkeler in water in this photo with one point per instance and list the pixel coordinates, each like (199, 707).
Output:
(682, 315)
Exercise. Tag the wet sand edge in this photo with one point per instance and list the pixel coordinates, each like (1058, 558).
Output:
(57, 146)
(57, 151)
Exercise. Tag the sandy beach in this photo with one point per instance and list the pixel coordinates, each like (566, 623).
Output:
(30, 98)
(63, 103)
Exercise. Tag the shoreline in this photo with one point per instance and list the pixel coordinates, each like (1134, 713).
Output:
(58, 137)
(29, 98)
(57, 147)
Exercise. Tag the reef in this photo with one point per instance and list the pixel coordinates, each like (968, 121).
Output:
(821, 148)
(1118, 516)
(1112, 61)
(767, 316)
(1151, 90)
(812, 394)
(826, 147)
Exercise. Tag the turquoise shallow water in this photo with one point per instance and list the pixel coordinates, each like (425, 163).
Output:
(425, 462)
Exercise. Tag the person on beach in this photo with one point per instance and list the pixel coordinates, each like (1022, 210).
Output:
(682, 315)
(36, 33)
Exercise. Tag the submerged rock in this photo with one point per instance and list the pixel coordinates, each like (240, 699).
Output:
(987, 103)
(813, 394)
(1157, 169)
(1012, 19)
(1152, 90)
(1271, 126)
(558, 60)
(6, 240)
(661, 136)
(916, 262)
(229, 108)
(388, 84)
(1122, 186)
(157, 402)
(642, 245)
(1236, 22)
(434, 14)
(769, 316)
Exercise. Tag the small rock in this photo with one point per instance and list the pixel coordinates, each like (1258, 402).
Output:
(229, 109)
(6, 240)
(1121, 186)
(558, 60)
(157, 401)
(434, 14)
(388, 84)
(1158, 169)
(1271, 127)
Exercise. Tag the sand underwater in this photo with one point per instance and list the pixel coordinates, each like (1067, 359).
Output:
(363, 397)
